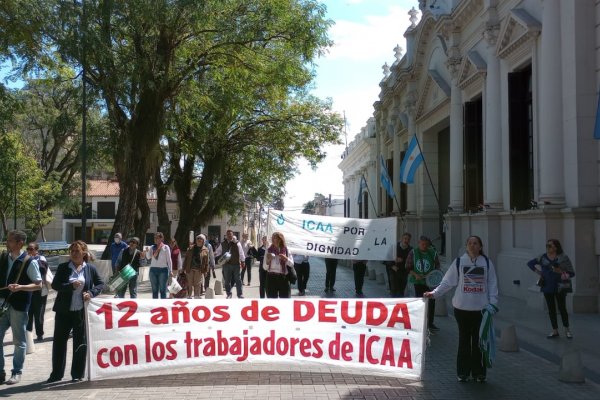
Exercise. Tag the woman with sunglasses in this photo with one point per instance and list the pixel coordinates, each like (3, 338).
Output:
(553, 267)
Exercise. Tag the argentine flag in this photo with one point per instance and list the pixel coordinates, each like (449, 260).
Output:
(412, 159)
(385, 178)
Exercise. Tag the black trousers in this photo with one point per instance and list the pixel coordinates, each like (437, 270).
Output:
(248, 267)
(262, 281)
(37, 310)
(552, 299)
(419, 290)
(359, 276)
(303, 272)
(398, 280)
(468, 358)
(331, 267)
(63, 324)
(278, 286)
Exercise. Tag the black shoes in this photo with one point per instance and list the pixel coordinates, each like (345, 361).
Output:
(53, 379)
(2, 377)
(553, 335)
(463, 378)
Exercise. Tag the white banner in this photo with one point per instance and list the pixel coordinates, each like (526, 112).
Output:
(129, 337)
(334, 237)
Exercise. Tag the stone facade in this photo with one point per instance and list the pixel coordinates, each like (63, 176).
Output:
(502, 97)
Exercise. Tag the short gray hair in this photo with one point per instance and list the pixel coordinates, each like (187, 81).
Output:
(18, 235)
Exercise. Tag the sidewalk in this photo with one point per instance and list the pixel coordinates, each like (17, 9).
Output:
(523, 374)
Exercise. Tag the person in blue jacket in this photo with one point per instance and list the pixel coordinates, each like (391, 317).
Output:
(553, 267)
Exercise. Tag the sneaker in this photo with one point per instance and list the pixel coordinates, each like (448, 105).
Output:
(568, 334)
(552, 335)
(432, 327)
(463, 378)
(76, 380)
(481, 378)
(15, 378)
(2, 377)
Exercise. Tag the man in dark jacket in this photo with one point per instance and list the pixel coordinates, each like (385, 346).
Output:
(19, 277)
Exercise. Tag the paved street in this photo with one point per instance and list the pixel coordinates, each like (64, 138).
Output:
(523, 374)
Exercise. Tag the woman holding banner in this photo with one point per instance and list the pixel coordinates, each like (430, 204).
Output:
(76, 282)
(278, 261)
(477, 292)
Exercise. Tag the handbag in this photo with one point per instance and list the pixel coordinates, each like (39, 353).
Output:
(540, 282)
(174, 287)
(292, 276)
(565, 285)
(4, 308)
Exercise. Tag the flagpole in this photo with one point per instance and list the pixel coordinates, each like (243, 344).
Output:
(394, 195)
(428, 174)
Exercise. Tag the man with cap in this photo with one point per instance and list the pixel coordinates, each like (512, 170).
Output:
(130, 256)
(196, 266)
(115, 249)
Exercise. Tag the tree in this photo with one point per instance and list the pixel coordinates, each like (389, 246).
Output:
(314, 205)
(146, 52)
(50, 121)
(240, 143)
(21, 173)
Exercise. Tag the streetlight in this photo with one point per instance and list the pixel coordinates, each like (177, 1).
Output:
(83, 124)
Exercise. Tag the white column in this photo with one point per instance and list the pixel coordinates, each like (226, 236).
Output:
(552, 183)
(456, 149)
(493, 134)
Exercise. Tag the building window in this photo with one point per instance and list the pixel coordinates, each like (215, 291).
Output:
(403, 188)
(473, 154)
(360, 209)
(520, 125)
(348, 206)
(365, 202)
(106, 209)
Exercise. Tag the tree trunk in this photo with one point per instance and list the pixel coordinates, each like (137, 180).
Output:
(164, 223)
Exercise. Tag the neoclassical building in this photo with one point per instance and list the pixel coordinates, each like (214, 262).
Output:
(502, 97)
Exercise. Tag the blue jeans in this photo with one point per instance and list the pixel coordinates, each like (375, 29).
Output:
(133, 283)
(17, 321)
(158, 281)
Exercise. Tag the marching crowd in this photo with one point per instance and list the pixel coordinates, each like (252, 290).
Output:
(25, 280)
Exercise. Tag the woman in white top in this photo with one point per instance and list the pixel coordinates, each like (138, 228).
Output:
(160, 266)
(277, 260)
(474, 275)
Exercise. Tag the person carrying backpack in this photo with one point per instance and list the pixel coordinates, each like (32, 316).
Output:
(474, 276)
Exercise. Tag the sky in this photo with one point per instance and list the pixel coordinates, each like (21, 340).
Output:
(364, 33)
